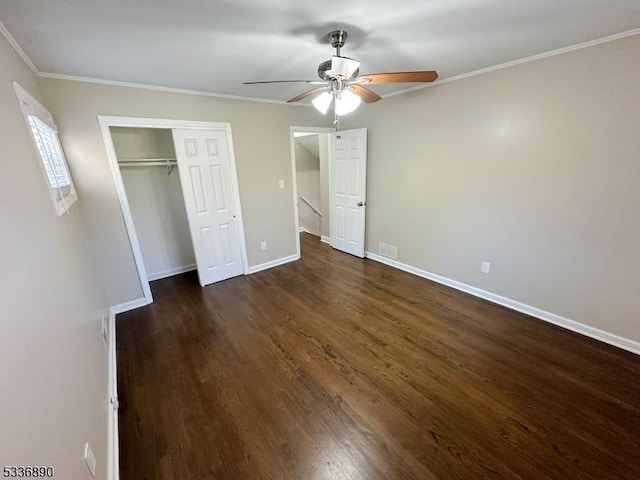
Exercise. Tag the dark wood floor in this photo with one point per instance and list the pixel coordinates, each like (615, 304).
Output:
(337, 368)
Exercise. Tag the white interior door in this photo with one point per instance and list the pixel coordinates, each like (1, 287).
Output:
(205, 174)
(348, 190)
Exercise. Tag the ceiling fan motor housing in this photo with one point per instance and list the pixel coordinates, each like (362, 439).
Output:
(337, 39)
(325, 67)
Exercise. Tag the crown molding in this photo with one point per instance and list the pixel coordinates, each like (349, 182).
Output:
(532, 58)
(143, 86)
(16, 46)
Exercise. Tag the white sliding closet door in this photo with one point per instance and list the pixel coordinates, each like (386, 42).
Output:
(205, 173)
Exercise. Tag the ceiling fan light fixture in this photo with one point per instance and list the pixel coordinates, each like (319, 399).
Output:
(343, 67)
(346, 102)
(322, 102)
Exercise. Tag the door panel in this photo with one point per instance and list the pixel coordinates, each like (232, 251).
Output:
(348, 190)
(198, 190)
(205, 174)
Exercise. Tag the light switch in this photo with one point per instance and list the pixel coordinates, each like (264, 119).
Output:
(281, 184)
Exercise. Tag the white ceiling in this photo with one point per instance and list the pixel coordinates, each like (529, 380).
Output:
(213, 46)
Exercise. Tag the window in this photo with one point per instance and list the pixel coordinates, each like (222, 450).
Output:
(44, 134)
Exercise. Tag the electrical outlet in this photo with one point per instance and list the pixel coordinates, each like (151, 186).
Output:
(485, 267)
(105, 331)
(90, 460)
(281, 184)
(263, 245)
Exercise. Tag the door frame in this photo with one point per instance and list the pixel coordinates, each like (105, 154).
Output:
(294, 178)
(107, 121)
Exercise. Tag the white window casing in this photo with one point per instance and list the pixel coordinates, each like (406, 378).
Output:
(44, 134)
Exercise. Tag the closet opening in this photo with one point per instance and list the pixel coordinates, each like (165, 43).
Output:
(148, 167)
(177, 184)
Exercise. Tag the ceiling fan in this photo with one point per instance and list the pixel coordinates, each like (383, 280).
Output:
(341, 84)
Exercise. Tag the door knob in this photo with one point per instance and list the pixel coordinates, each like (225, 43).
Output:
(360, 204)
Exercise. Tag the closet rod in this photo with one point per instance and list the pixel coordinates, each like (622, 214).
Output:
(140, 160)
(148, 164)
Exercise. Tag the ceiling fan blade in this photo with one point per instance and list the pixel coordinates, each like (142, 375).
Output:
(399, 77)
(310, 82)
(304, 95)
(365, 94)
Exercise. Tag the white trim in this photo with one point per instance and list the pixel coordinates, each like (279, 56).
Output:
(304, 230)
(326, 240)
(171, 272)
(587, 330)
(294, 188)
(294, 176)
(132, 305)
(158, 88)
(532, 58)
(113, 457)
(272, 263)
(105, 123)
(16, 46)
(148, 122)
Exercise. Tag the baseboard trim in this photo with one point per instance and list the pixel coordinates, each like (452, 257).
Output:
(589, 331)
(132, 305)
(171, 272)
(306, 230)
(113, 442)
(271, 264)
(326, 240)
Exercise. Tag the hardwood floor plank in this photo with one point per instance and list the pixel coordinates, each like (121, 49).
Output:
(334, 367)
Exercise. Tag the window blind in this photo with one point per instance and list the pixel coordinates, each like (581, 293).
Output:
(49, 148)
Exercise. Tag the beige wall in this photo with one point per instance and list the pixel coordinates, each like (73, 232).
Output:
(308, 183)
(142, 142)
(262, 150)
(534, 168)
(53, 365)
